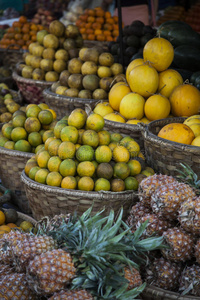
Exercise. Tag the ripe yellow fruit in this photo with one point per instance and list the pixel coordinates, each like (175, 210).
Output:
(77, 118)
(86, 168)
(95, 122)
(135, 167)
(54, 164)
(2, 218)
(41, 175)
(54, 179)
(144, 80)
(121, 154)
(133, 147)
(103, 154)
(157, 107)
(196, 141)
(168, 80)
(159, 52)
(69, 182)
(132, 106)
(43, 158)
(86, 183)
(67, 167)
(103, 109)
(66, 150)
(115, 117)
(117, 92)
(102, 184)
(134, 63)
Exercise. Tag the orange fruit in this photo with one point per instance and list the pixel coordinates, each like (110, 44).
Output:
(47, 134)
(57, 129)
(117, 185)
(85, 153)
(2, 217)
(29, 165)
(135, 167)
(43, 158)
(102, 184)
(77, 118)
(69, 133)
(32, 172)
(91, 138)
(69, 182)
(33, 111)
(86, 183)
(45, 117)
(18, 133)
(95, 122)
(5, 228)
(41, 175)
(121, 154)
(85, 168)
(104, 137)
(53, 147)
(54, 164)
(48, 141)
(103, 154)
(22, 145)
(131, 183)
(35, 139)
(54, 179)
(32, 124)
(121, 170)
(133, 147)
(66, 150)
(67, 167)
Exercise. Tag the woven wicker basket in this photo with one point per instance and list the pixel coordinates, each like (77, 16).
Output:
(64, 105)
(30, 89)
(45, 200)
(12, 162)
(25, 217)
(126, 129)
(90, 44)
(155, 293)
(165, 156)
(11, 57)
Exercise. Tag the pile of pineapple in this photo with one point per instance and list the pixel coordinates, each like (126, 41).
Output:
(74, 258)
(172, 209)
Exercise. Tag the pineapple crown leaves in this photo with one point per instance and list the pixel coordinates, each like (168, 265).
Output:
(189, 176)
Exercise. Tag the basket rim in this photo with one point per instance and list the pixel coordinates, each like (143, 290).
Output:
(51, 95)
(106, 195)
(15, 153)
(151, 137)
(119, 125)
(29, 81)
(165, 293)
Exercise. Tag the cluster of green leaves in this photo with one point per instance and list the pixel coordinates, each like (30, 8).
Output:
(189, 176)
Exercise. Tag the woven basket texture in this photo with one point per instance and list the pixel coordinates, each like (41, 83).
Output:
(126, 129)
(63, 105)
(165, 156)
(11, 57)
(12, 163)
(90, 44)
(30, 89)
(25, 217)
(154, 293)
(45, 200)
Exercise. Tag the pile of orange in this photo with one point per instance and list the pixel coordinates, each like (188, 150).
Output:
(97, 24)
(21, 34)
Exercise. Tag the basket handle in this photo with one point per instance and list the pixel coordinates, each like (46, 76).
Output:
(143, 128)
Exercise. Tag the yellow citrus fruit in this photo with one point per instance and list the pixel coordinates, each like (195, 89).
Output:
(5, 228)
(133, 147)
(2, 218)
(69, 133)
(117, 185)
(43, 106)
(67, 167)
(80, 134)
(26, 226)
(53, 113)
(54, 179)
(86, 183)
(103, 109)
(41, 175)
(95, 122)
(117, 92)
(77, 146)
(115, 137)
(43, 158)
(157, 107)
(85, 168)
(145, 120)
(144, 80)
(103, 154)
(39, 147)
(45, 117)
(29, 105)
(91, 138)
(47, 134)
(141, 155)
(194, 126)
(135, 167)
(104, 137)
(33, 111)
(29, 165)
(159, 52)
(32, 124)
(32, 172)
(121, 154)
(133, 121)
(85, 153)
(18, 133)
(48, 141)
(11, 225)
(51, 125)
(66, 150)
(53, 147)
(9, 145)
(112, 145)
(22, 145)
(131, 183)
(125, 140)
(134, 63)
(121, 170)
(18, 121)
(102, 184)
(77, 118)
(115, 117)
(69, 182)
(7, 130)
(34, 139)
(57, 129)
(196, 141)
(54, 164)
(132, 106)
(168, 80)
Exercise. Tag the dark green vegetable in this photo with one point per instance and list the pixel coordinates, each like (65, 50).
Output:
(187, 57)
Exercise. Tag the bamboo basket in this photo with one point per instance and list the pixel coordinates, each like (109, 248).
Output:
(47, 200)
(155, 293)
(25, 217)
(11, 57)
(30, 89)
(165, 156)
(12, 162)
(126, 129)
(63, 105)
(90, 44)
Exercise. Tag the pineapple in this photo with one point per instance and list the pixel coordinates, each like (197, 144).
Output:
(5, 270)
(180, 245)
(14, 286)
(31, 245)
(148, 185)
(49, 272)
(189, 215)
(166, 200)
(164, 274)
(133, 276)
(137, 211)
(197, 251)
(72, 295)
(190, 280)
